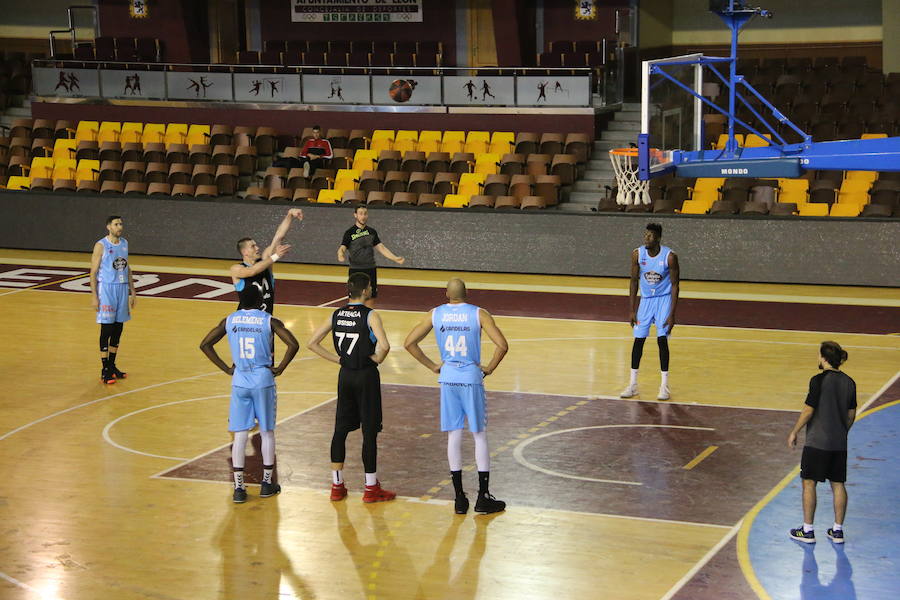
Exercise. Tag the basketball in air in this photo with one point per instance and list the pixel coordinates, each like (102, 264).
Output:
(400, 91)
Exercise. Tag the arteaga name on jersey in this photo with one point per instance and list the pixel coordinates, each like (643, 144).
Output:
(350, 314)
(247, 320)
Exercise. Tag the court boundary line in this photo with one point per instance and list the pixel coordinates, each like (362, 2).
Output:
(702, 562)
(18, 583)
(508, 316)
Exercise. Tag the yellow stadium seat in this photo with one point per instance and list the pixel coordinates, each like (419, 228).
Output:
(869, 176)
(793, 185)
(383, 134)
(720, 143)
(87, 170)
(477, 142)
(197, 135)
(176, 133)
(797, 196)
(502, 142)
(456, 200)
(131, 133)
(64, 149)
(755, 141)
(858, 198)
(813, 209)
(850, 189)
(847, 209)
(430, 141)
(17, 182)
(486, 163)
(406, 140)
(452, 141)
(708, 184)
(41, 167)
(872, 136)
(696, 207)
(64, 168)
(154, 133)
(346, 179)
(329, 197)
(470, 184)
(364, 160)
(109, 132)
(380, 144)
(87, 130)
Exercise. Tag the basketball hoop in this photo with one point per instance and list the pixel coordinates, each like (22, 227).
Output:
(632, 190)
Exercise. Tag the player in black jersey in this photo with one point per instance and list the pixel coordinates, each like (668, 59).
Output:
(255, 267)
(361, 345)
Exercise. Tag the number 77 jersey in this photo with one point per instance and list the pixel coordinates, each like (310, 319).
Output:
(457, 328)
(353, 339)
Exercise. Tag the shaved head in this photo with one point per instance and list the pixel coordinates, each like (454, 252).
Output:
(456, 289)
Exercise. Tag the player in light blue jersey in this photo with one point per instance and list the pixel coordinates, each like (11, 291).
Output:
(112, 294)
(457, 327)
(655, 270)
(253, 398)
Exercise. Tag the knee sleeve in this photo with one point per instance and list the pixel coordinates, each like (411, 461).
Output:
(238, 448)
(636, 351)
(105, 333)
(339, 446)
(268, 447)
(370, 451)
(482, 453)
(115, 335)
(663, 343)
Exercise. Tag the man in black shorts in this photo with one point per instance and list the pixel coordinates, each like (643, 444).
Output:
(361, 345)
(362, 241)
(829, 412)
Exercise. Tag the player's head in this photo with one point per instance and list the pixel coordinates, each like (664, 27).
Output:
(831, 355)
(359, 286)
(361, 214)
(317, 132)
(250, 297)
(652, 235)
(456, 290)
(114, 225)
(248, 248)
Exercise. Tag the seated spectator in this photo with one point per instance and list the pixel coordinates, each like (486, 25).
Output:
(315, 151)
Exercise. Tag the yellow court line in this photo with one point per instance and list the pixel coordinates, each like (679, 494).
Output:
(697, 459)
(743, 539)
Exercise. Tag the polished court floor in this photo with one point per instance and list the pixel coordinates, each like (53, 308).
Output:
(122, 491)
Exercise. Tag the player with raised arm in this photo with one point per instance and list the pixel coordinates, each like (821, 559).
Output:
(112, 294)
(255, 267)
(253, 396)
(361, 345)
(457, 326)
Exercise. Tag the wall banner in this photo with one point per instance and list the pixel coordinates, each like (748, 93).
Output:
(356, 11)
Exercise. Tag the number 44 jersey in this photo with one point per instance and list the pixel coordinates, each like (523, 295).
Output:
(250, 337)
(458, 331)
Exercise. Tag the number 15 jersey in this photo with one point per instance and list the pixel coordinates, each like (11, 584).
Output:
(250, 337)
(457, 328)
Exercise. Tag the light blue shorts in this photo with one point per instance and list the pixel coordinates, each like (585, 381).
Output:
(462, 401)
(113, 303)
(653, 310)
(249, 405)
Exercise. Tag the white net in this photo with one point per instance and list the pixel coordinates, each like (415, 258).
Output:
(631, 190)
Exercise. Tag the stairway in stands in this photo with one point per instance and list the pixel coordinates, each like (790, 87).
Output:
(16, 112)
(622, 131)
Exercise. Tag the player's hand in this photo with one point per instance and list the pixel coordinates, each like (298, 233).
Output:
(95, 303)
(230, 370)
(486, 371)
(276, 371)
(297, 213)
(400, 260)
(633, 318)
(341, 256)
(437, 368)
(131, 300)
(282, 249)
(792, 440)
(670, 324)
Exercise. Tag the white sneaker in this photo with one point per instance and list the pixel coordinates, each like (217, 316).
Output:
(306, 169)
(663, 393)
(630, 392)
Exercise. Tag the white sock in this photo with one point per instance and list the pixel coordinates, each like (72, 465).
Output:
(665, 378)
(838, 527)
(371, 479)
(238, 478)
(807, 527)
(337, 477)
(454, 449)
(634, 373)
(482, 453)
(267, 475)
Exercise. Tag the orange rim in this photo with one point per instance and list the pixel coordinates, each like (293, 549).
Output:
(624, 151)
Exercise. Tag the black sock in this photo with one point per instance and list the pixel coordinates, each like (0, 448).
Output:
(457, 482)
(112, 359)
(483, 478)
(105, 362)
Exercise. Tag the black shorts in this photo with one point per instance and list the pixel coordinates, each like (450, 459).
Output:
(359, 400)
(820, 465)
(373, 278)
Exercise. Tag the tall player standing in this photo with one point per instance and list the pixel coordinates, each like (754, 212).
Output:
(654, 268)
(112, 294)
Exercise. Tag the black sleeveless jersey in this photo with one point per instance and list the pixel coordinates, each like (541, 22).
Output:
(266, 284)
(354, 341)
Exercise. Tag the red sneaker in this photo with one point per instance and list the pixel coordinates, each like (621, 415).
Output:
(374, 493)
(338, 492)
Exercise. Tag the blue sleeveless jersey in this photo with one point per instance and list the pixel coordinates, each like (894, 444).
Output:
(654, 277)
(250, 338)
(458, 332)
(114, 264)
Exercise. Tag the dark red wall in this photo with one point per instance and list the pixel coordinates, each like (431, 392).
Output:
(438, 25)
(181, 25)
(560, 22)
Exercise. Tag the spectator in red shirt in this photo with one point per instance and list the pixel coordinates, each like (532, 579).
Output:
(315, 151)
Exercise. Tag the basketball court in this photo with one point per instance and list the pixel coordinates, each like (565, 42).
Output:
(124, 491)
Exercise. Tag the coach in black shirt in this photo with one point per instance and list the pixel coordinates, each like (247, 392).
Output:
(361, 242)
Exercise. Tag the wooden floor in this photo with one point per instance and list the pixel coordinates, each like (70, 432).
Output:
(90, 510)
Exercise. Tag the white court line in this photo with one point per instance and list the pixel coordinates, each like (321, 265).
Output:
(519, 450)
(880, 391)
(16, 582)
(324, 304)
(108, 438)
(702, 562)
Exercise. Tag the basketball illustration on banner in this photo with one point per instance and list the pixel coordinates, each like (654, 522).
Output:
(401, 89)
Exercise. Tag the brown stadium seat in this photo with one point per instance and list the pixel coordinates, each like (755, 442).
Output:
(527, 143)
(182, 190)
(87, 150)
(665, 206)
(783, 208)
(281, 194)
(200, 154)
(64, 185)
(339, 138)
(405, 199)
(305, 195)
(41, 147)
(358, 138)
(266, 141)
(496, 184)
(521, 186)
(43, 128)
(580, 145)
(88, 187)
(566, 167)
(876, 210)
(21, 127)
(110, 170)
(552, 143)
(135, 188)
(724, 207)
(462, 162)
(430, 200)
(389, 160)
(296, 180)
(245, 159)
(379, 198)
(481, 202)
(203, 174)
(178, 153)
(223, 154)
(133, 171)
(420, 183)
(221, 135)
(413, 161)
(130, 152)
(445, 183)
(753, 207)
(397, 181)
(537, 164)
(438, 162)
(342, 158)
(547, 187)
(159, 189)
(275, 178)
(155, 152)
(180, 173)
(323, 179)
(109, 187)
(507, 202)
(255, 193)
(371, 181)
(227, 179)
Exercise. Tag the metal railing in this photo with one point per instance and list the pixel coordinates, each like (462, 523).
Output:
(72, 28)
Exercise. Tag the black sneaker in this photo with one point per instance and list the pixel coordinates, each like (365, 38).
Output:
(269, 489)
(461, 506)
(808, 537)
(117, 373)
(240, 495)
(487, 504)
(835, 536)
(106, 376)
